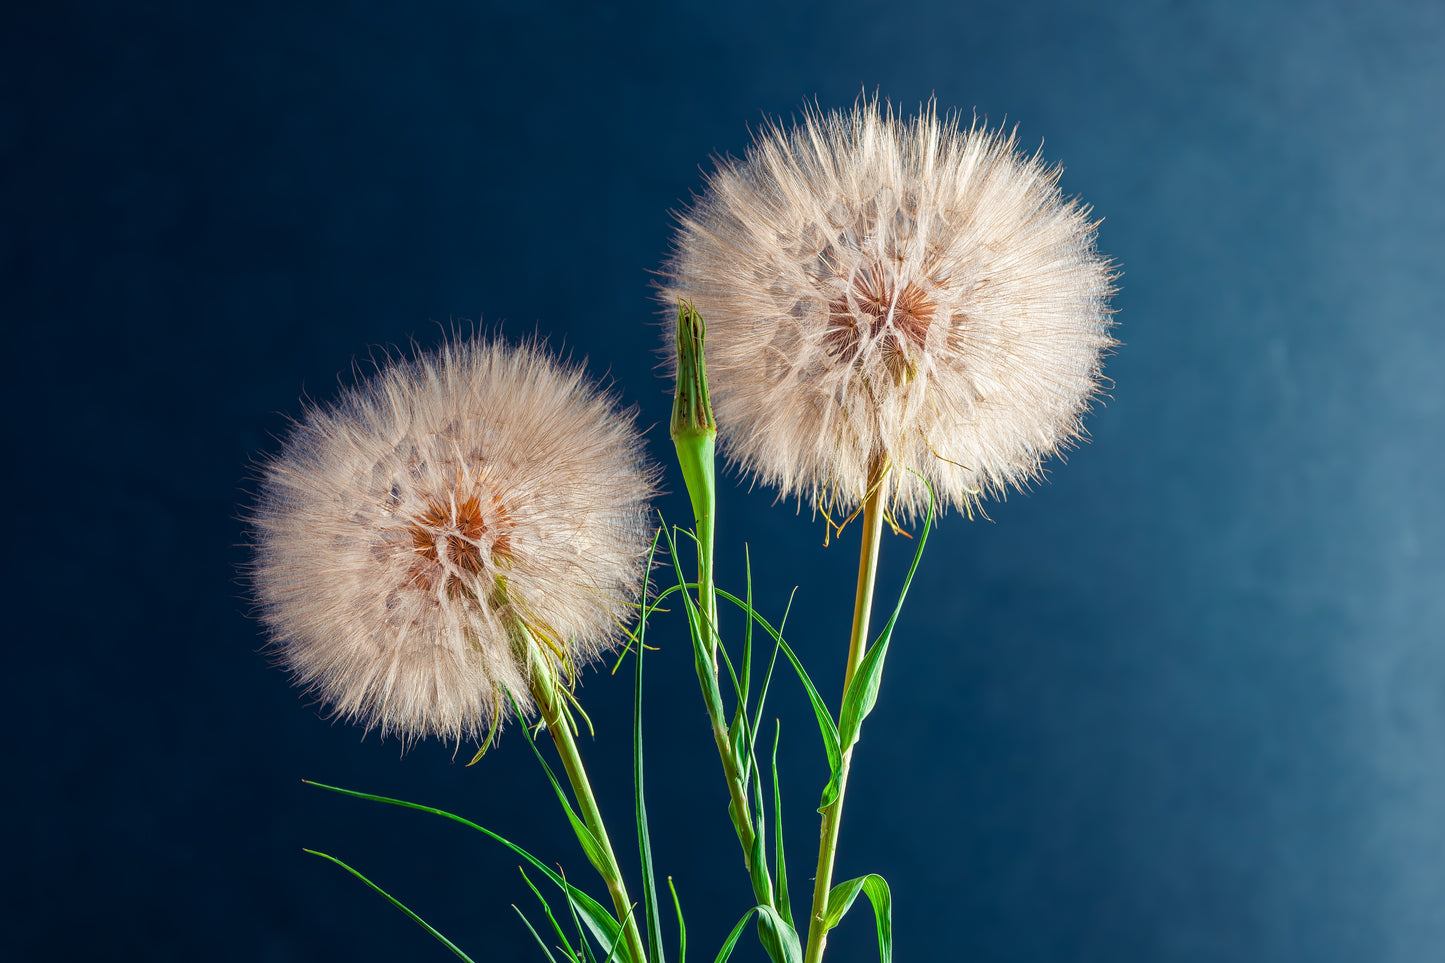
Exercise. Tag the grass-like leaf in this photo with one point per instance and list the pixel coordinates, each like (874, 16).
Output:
(727, 948)
(535, 935)
(840, 900)
(712, 696)
(604, 928)
(778, 937)
(862, 692)
(681, 926)
(644, 842)
(589, 842)
(399, 905)
(820, 709)
(566, 945)
(785, 908)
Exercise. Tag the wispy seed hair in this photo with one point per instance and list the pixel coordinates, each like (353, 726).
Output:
(401, 530)
(905, 288)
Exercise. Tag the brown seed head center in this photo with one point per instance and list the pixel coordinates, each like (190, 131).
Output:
(874, 303)
(448, 538)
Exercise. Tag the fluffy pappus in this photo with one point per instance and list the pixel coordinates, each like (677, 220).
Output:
(908, 292)
(405, 530)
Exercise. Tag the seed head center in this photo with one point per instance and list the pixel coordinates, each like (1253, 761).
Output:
(450, 536)
(874, 307)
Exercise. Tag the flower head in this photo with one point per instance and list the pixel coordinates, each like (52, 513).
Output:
(881, 291)
(404, 533)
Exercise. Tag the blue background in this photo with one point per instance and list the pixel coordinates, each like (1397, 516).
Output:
(1186, 702)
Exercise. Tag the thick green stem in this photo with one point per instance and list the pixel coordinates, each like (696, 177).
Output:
(857, 644)
(550, 705)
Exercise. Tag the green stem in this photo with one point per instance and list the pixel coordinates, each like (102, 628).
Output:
(857, 644)
(705, 526)
(544, 682)
(694, 434)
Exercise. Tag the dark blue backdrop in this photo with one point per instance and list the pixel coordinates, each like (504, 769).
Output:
(1184, 703)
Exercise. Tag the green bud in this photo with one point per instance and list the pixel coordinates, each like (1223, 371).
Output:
(691, 408)
(694, 432)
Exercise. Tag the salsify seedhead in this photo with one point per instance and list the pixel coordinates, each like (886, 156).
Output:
(405, 532)
(882, 291)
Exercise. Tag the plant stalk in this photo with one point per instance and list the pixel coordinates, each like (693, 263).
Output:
(694, 434)
(544, 682)
(857, 645)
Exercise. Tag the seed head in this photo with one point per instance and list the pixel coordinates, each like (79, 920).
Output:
(904, 290)
(405, 532)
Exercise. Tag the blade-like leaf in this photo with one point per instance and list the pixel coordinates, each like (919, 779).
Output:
(590, 846)
(566, 945)
(731, 941)
(398, 904)
(598, 919)
(535, 935)
(644, 843)
(820, 709)
(681, 926)
(840, 900)
(707, 678)
(862, 692)
(778, 938)
(785, 908)
(772, 663)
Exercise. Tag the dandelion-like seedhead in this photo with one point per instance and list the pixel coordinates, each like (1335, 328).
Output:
(909, 290)
(404, 533)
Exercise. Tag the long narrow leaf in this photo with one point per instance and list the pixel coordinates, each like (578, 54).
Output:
(862, 692)
(731, 941)
(535, 935)
(772, 662)
(644, 842)
(820, 709)
(399, 905)
(778, 938)
(840, 900)
(589, 842)
(712, 697)
(681, 926)
(566, 945)
(598, 919)
(785, 908)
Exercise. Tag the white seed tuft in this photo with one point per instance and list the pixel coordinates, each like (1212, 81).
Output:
(905, 289)
(402, 532)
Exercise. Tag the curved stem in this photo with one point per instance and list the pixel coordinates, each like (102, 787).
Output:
(857, 644)
(544, 684)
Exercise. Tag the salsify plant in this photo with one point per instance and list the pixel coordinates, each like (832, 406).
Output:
(881, 316)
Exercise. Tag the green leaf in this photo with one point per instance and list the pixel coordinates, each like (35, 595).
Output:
(595, 854)
(566, 946)
(785, 908)
(644, 843)
(712, 696)
(731, 941)
(772, 663)
(840, 900)
(681, 926)
(862, 692)
(398, 904)
(598, 919)
(820, 709)
(778, 938)
(535, 935)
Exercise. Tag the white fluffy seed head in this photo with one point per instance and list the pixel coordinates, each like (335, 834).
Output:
(403, 532)
(908, 289)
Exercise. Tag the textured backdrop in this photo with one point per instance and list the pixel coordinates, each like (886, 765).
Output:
(1185, 702)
